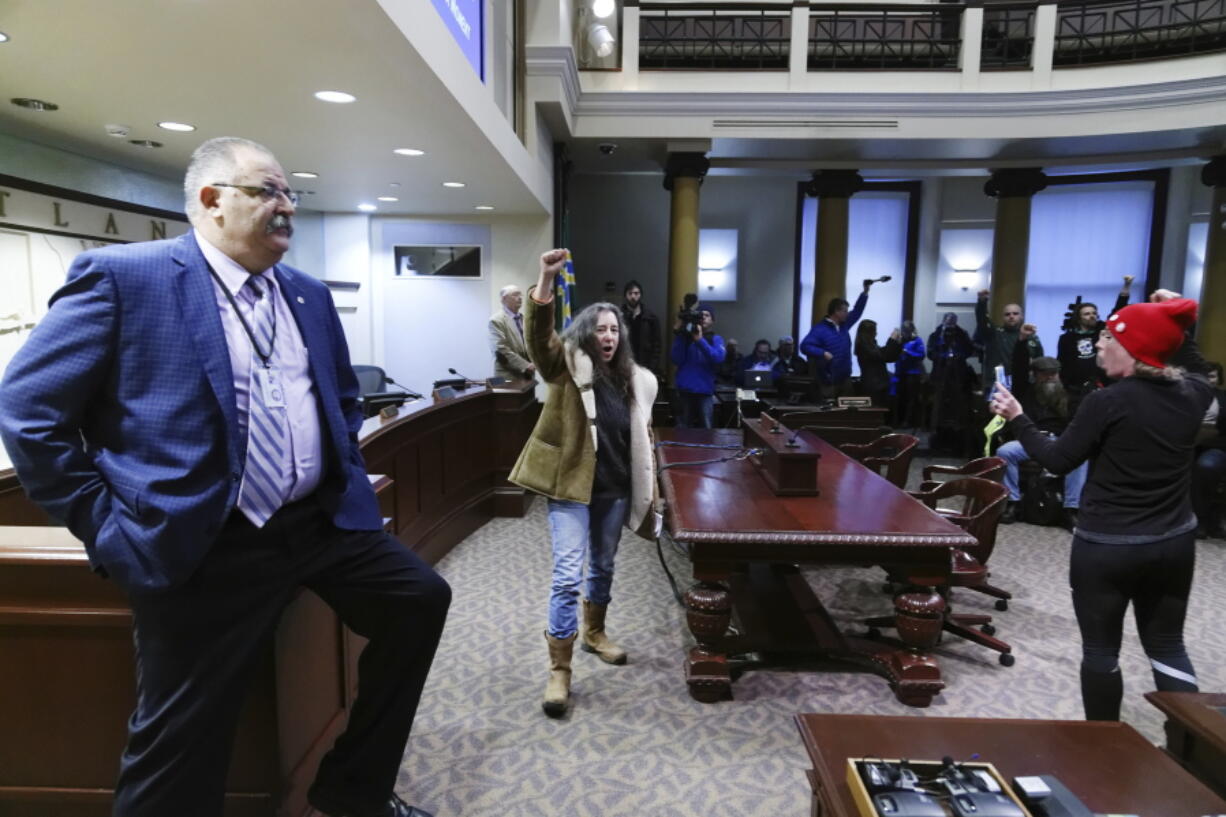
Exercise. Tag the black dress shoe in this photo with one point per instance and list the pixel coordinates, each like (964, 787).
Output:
(1010, 513)
(331, 806)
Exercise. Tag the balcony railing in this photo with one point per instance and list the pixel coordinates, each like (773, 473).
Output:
(1094, 31)
(739, 37)
(1013, 34)
(893, 37)
(1008, 36)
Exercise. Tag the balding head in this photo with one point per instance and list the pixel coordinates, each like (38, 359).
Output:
(512, 297)
(1012, 316)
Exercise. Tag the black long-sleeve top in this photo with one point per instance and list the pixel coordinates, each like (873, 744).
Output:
(1139, 435)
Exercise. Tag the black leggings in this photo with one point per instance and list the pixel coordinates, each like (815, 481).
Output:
(1156, 577)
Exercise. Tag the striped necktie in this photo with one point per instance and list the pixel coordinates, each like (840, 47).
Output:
(265, 480)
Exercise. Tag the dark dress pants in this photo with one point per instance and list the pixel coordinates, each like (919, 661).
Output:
(197, 645)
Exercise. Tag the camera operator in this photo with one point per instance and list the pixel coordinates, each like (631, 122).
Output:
(1078, 370)
(698, 352)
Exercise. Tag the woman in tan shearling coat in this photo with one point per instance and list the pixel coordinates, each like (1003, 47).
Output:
(591, 455)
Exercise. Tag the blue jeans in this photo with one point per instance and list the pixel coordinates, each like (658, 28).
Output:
(1014, 455)
(582, 531)
(697, 410)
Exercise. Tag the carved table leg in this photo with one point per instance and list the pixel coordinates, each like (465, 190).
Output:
(708, 611)
(919, 613)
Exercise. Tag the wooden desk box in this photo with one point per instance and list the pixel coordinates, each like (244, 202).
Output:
(789, 470)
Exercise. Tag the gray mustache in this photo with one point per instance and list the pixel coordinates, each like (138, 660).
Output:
(280, 222)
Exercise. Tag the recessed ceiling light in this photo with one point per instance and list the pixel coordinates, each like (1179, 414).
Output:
(144, 143)
(334, 96)
(367, 208)
(4, 38)
(388, 198)
(409, 152)
(483, 207)
(178, 127)
(34, 104)
(603, 8)
(393, 184)
(305, 174)
(453, 184)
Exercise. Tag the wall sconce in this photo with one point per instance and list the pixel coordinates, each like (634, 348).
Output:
(600, 40)
(966, 278)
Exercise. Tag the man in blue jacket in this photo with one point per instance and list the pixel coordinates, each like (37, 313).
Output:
(697, 356)
(828, 344)
(167, 411)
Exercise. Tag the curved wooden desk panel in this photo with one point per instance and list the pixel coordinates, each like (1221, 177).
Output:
(67, 685)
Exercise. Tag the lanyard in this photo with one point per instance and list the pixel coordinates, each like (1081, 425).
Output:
(265, 358)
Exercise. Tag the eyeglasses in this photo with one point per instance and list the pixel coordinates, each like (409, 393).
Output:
(268, 192)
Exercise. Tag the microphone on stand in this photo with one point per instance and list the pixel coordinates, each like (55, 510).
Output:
(467, 378)
(409, 392)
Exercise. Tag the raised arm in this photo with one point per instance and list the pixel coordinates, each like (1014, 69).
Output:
(544, 345)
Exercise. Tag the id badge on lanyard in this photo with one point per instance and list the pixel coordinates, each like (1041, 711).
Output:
(268, 380)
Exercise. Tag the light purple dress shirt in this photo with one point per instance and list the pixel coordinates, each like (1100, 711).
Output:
(303, 457)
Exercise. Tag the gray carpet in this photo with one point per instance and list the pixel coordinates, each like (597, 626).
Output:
(636, 744)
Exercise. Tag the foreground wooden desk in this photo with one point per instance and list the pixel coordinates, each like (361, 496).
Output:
(66, 664)
(1196, 733)
(745, 543)
(1111, 767)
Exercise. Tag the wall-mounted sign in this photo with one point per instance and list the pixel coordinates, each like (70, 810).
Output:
(465, 21)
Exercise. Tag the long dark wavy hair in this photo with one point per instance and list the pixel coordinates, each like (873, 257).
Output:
(866, 337)
(582, 331)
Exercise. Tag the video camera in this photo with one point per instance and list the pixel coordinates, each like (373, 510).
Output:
(689, 315)
(1072, 318)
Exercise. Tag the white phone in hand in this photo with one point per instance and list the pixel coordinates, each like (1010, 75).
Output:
(1000, 378)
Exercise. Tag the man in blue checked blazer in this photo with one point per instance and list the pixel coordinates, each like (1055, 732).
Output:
(188, 409)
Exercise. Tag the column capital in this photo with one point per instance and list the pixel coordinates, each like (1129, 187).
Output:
(1214, 173)
(685, 165)
(835, 184)
(1015, 182)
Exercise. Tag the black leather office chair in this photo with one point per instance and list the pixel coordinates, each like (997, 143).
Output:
(371, 379)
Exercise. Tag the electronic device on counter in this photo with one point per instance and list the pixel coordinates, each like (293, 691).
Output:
(758, 379)
(883, 787)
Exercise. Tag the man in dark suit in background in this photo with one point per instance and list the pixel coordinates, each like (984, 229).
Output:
(166, 409)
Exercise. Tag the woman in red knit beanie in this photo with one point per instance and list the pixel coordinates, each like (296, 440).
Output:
(1135, 535)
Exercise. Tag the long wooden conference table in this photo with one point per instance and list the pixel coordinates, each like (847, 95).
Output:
(746, 543)
(66, 660)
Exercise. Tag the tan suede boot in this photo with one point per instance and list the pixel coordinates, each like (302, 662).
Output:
(594, 638)
(557, 691)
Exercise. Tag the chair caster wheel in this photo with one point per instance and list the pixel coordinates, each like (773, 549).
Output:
(1007, 659)
(873, 633)
(988, 629)
(1002, 605)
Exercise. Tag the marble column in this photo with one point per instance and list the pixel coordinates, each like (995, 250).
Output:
(683, 176)
(1211, 328)
(1012, 190)
(833, 189)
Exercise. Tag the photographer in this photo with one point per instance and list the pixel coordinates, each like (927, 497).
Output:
(1075, 350)
(828, 343)
(697, 352)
